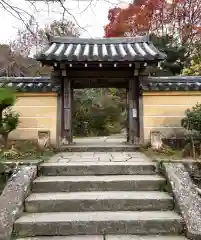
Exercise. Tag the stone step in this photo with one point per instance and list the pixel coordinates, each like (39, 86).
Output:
(79, 237)
(97, 183)
(100, 148)
(97, 168)
(110, 237)
(92, 223)
(98, 201)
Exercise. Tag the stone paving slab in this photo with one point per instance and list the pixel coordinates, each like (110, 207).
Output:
(103, 178)
(132, 237)
(99, 157)
(98, 201)
(121, 139)
(138, 159)
(92, 168)
(119, 159)
(117, 237)
(85, 237)
(85, 163)
(97, 183)
(98, 216)
(80, 159)
(121, 222)
(99, 195)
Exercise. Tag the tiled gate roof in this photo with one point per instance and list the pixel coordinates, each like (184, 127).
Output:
(44, 84)
(29, 84)
(177, 83)
(104, 49)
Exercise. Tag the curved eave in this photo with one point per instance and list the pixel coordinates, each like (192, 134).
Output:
(101, 51)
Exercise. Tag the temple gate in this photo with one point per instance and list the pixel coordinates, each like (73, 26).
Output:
(100, 63)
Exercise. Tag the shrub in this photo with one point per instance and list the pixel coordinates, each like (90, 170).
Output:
(192, 123)
(9, 120)
(194, 69)
(7, 99)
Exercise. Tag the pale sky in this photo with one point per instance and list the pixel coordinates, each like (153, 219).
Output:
(92, 19)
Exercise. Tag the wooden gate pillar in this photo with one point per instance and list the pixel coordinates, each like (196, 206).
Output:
(133, 112)
(141, 112)
(128, 137)
(72, 108)
(67, 110)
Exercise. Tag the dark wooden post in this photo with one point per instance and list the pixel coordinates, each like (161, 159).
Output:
(133, 112)
(67, 104)
(141, 112)
(127, 117)
(130, 109)
(72, 108)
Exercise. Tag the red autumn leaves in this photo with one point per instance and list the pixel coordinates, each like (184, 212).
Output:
(180, 18)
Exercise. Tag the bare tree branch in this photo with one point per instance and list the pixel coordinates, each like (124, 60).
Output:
(24, 16)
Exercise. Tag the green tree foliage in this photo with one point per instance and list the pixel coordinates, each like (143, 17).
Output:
(192, 123)
(9, 120)
(192, 120)
(98, 112)
(7, 99)
(176, 56)
(194, 69)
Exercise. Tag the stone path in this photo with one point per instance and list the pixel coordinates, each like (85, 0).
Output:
(112, 143)
(113, 139)
(99, 157)
(99, 196)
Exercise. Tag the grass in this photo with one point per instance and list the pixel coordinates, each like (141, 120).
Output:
(21, 150)
(167, 153)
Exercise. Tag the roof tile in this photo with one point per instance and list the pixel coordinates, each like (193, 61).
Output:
(44, 84)
(105, 49)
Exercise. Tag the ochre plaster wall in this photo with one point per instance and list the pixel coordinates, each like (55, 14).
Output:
(163, 111)
(38, 111)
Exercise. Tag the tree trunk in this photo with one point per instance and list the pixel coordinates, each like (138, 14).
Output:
(5, 140)
(1, 116)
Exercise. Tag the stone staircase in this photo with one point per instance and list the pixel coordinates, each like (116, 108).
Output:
(99, 201)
